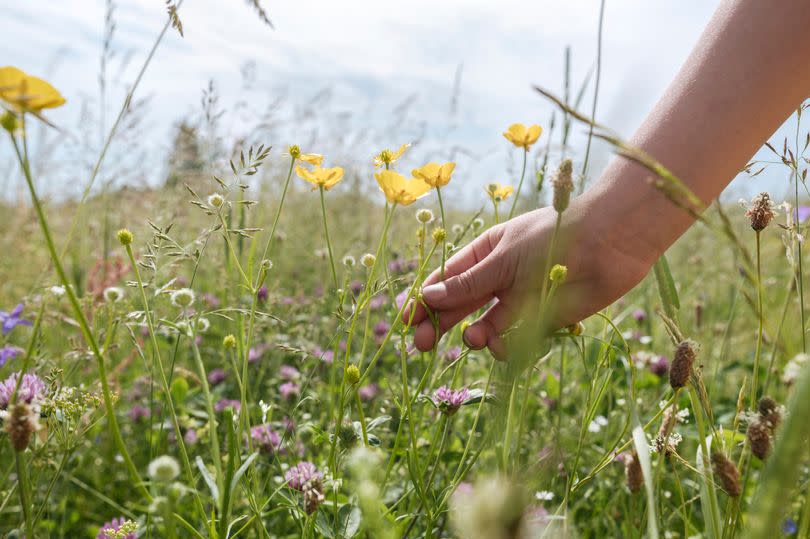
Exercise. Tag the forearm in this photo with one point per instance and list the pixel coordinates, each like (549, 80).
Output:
(748, 72)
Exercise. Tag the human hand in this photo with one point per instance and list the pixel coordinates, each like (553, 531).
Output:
(504, 265)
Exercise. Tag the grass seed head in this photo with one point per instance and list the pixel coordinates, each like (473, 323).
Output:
(759, 438)
(563, 185)
(21, 425)
(633, 473)
(681, 368)
(769, 412)
(727, 474)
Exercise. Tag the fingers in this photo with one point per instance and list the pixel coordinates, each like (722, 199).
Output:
(466, 260)
(425, 335)
(487, 330)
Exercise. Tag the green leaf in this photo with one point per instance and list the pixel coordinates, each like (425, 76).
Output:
(666, 288)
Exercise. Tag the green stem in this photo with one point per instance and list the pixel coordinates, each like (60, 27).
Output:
(25, 491)
(269, 243)
(755, 383)
(520, 184)
(82, 321)
(209, 404)
(359, 403)
(328, 242)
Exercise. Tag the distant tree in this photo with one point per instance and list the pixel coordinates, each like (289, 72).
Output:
(185, 163)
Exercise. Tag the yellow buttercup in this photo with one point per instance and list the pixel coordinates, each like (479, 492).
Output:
(320, 177)
(522, 136)
(435, 175)
(25, 93)
(498, 192)
(387, 157)
(400, 190)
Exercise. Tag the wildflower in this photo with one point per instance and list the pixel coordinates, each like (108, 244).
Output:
(558, 274)
(32, 389)
(352, 374)
(368, 392)
(306, 479)
(10, 320)
(563, 186)
(183, 298)
(435, 175)
(163, 469)
(217, 376)
(770, 412)
(266, 439)
(190, 437)
(309, 158)
(759, 438)
(289, 389)
(681, 369)
(288, 372)
(262, 294)
(266, 265)
(367, 261)
(222, 404)
(802, 213)
(498, 192)
(452, 354)
(640, 315)
(400, 190)
(125, 237)
(349, 261)
(522, 136)
(660, 366)
(118, 528)
(216, 200)
(326, 178)
(21, 424)
(387, 157)
(439, 235)
(727, 473)
(576, 329)
(202, 324)
(448, 401)
(793, 368)
(597, 424)
(229, 341)
(477, 223)
(25, 93)
(113, 294)
(789, 526)
(632, 472)
(760, 212)
(9, 352)
(424, 216)
(138, 413)
(57, 291)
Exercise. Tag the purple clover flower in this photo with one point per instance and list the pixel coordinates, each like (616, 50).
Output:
(217, 376)
(262, 294)
(802, 213)
(289, 389)
(32, 389)
(368, 392)
(448, 401)
(114, 526)
(138, 413)
(288, 372)
(8, 352)
(12, 319)
(266, 439)
(227, 403)
(660, 366)
(190, 437)
(640, 315)
(452, 353)
(302, 473)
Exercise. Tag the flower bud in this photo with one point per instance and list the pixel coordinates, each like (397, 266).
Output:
(21, 425)
(558, 274)
(368, 260)
(439, 235)
(769, 412)
(477, 223)
(183, 297)
(576, 329)
(229, 341)
(352, 374)
(216, 200)
(8, 121)
(348, 261)
(563, 186)
(759, 438)
(125, 237)
(294, 151)
(424, 216)
(267, 265)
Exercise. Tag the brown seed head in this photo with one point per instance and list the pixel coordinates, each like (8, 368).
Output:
(682, 361)
(759, 438)
(21, 425)
(769, 412)
(632, 471)
(563, 185)
(727, 473)
(760, 212)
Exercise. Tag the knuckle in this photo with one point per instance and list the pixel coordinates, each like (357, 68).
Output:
(466, 282)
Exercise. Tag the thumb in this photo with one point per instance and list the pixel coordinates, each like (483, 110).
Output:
(475, 283)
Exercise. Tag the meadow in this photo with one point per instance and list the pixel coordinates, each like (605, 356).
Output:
(229, 354)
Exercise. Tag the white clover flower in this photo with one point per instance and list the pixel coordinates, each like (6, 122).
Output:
(164, 468)
(793, 368)
(113, 294)
(544, 495)
(183, 298)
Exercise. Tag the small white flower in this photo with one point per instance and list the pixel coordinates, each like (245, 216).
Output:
(202, 325)
(368, 260)
(215, 200)
(57, 291)
(544, 495)
(457, 229)
(477, 223)
(265, 408)
(349, 261)
(794, 368)
(183, 298)
(597, 423)
(164, 468)
(113, 294)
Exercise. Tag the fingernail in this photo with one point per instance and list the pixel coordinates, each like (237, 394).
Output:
(434, 293)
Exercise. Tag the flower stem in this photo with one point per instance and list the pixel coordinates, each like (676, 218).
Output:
(82, 321)
(758, 352)
(269, 243)
(520, 184)
(328, 242)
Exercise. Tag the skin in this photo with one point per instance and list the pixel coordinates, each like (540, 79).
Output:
(746, 75)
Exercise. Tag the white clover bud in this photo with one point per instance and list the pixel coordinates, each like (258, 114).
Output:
(113, 294)
(164, 468)
(216, 200)
(368, 260)
(424, 216)
(183, 297)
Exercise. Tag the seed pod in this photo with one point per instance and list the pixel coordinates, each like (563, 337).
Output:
(563, 185)
(21, 425)
(727, 473)
(759, 438)
(633, 473)
(682, 362)
(769, 412)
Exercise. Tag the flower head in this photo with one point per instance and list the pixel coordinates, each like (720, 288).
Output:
(266, 439)
(113, 294)
(522, 136)
(326, 178)
(387, 157)
(450, 400)
(289, 389)
(25, 93)
(183, 297)
(306, 479)
(498, 192)
(760, 212)
(10, 320)
(9, 352)
(164, 468)
(424, 216)
(117, 528)
(32, 389)
(21, 424)
(434, 174)
(563, 186)
(125, 237)
(400, 190)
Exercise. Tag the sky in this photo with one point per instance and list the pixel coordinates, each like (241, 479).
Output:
(385, 72)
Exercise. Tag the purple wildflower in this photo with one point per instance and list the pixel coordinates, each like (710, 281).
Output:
(802, 213)
(327, 356)
(265, 438)
(113, 526)
(452, 353)
(400, 299)
(381, 329)
(262, 294)
(377, 302)
(368, 392)
(227, 403)
(660, 366)
(32, 389)
(8, 352)
(356, 286)
(211, 300)
(306, 479)
(138, 413)
(640, 315)
(12, 319)
(190, 437)
(288, 372)
(216, 377)
(289, 389)
(448, 401)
